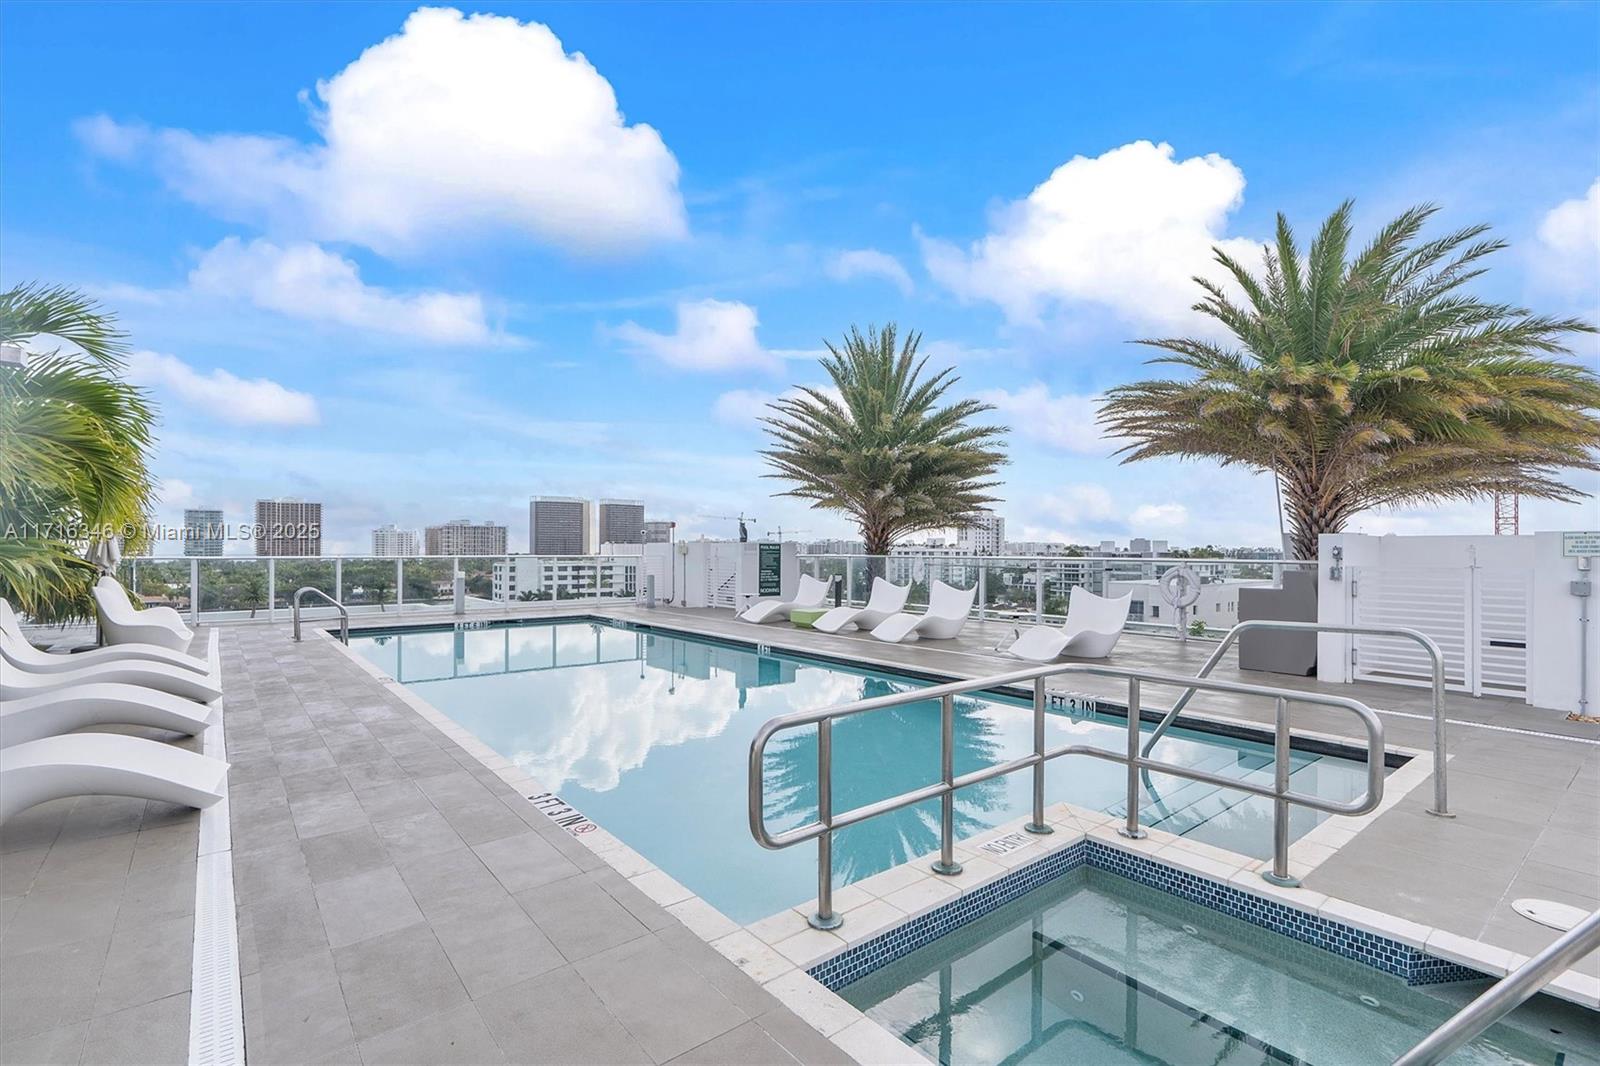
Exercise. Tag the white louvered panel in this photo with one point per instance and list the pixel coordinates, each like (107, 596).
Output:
(1503, 597)
(1437, 602)
(722, 576)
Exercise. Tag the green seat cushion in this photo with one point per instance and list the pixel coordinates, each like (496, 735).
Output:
(804, 617)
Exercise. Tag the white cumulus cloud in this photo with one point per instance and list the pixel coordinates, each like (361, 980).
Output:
(744, 408)
(1569, 239)
(1061, 421)
(304, 280)
(256, 401)
(711, 335)
(457, 125)
(1125, 231)
(741, 408)
(870, 263)
(1159, 516)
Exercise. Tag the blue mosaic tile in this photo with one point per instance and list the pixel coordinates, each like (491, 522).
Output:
(1411, 964)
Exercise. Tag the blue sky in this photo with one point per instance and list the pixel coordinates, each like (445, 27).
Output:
(421, 265)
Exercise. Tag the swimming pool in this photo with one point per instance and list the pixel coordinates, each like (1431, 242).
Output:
(647, 733)
(1096, 968)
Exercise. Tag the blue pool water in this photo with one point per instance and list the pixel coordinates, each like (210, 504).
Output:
(1092, 968)
(647, 733)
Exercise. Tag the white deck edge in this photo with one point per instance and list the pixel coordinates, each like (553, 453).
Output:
(216, 1005)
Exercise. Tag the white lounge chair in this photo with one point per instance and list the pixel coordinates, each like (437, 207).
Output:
(811, 593)
(106, 764)
(41, 661)
(121, 624)
(49, 714)
(947, 612)
(19, 679)
(886, 599)
(1093, 626)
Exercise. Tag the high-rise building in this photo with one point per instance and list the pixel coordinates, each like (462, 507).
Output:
(560, 525)
(202, 531)
(984, 535)
(620, 522)
(390, 541)
(460, 537)
(288, 526)
(657, 532)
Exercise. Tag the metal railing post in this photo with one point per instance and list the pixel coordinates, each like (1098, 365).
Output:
(1038, 825)
(1441, 797)
(272, 590)
(983, 592)
(1279, 874)
(1131, 828)
(194, 591)
(400, 585)
(947, 864)
(338, 579)
(825, 918)
(1038, 592)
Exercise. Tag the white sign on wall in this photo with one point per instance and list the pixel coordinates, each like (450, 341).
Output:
(1574, 545)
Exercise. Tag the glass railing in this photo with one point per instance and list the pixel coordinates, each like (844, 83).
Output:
(1036, 589)
(229, 588)
(1023, 590)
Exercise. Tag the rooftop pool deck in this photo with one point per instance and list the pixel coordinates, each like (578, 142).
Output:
(399, 899)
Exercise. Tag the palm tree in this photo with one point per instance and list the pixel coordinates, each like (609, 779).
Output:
(72, 441)
(1370, 381)
(883, 450)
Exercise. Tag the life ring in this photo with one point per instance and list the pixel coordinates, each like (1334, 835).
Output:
(1180, 586)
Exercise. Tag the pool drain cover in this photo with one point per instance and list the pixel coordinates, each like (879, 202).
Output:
(1549, 912)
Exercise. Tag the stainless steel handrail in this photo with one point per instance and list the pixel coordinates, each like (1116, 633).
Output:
(827, 821)
(1506, 994)
(1441, 801)
(344, 615)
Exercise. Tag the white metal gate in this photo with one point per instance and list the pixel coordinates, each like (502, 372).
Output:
(1478, 616)
(722, 575)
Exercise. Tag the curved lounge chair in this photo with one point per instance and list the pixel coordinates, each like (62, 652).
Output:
(121, 624)
(106, 764)
(811, 593)
(947, 612)
(1093, 626)
(18, 679)
(24, 654)
(886, 599)
(48, 714)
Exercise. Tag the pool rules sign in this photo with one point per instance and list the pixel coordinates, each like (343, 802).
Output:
(769, 570)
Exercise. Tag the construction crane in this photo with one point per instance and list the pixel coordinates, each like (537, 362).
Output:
(779, 533)
(744, 529)
(1507, 513)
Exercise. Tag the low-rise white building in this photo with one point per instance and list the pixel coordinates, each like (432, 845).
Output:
(535, 577)
(1217, 607)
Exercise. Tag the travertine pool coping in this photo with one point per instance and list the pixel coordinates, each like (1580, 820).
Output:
(778, 950)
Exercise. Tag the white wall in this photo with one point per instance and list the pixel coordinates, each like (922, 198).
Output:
(1553, 652)
(1554, 643)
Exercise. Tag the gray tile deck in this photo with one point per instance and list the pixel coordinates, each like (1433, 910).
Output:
(398, 902)
(96, 930)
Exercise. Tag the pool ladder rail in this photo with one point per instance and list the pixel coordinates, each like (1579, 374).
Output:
(344, 613)
(1441, 799)
(1137, 762)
